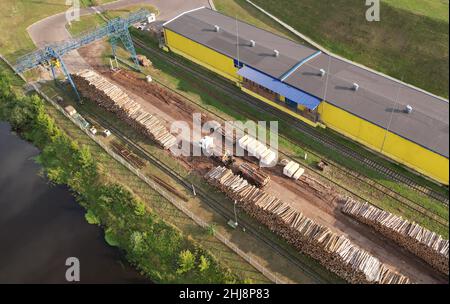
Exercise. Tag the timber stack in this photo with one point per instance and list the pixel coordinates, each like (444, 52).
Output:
(110, 97)
(336, 252)
(255, 175)
(425, 244)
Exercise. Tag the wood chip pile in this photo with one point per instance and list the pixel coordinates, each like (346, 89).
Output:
(335, 252)
(110, 97)
(427, 245)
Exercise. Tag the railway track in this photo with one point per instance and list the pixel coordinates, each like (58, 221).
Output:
(363, 179)
(386, 191)
(218, 207)
(323, 139)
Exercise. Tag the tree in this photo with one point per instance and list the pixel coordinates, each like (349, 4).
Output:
(138, 242)
(211, 229)
(204, 264)
(186, 261)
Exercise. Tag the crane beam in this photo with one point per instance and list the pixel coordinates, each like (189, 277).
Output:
(117, 27)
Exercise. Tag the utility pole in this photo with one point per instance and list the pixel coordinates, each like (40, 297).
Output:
(237, 42)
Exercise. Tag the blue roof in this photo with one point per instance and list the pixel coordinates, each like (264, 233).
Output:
(280, 88)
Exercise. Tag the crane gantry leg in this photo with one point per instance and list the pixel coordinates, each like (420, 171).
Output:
(125, 37)
(63, 67)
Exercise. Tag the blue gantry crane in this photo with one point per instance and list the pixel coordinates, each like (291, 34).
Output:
(51, 55)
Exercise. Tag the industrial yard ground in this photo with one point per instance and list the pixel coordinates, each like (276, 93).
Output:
(230, 106)
(176, 94)
(324, 211)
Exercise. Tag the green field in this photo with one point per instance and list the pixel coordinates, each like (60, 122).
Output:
(17, 15)
(410, 42)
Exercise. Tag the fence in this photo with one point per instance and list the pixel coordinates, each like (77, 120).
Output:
(155, 186)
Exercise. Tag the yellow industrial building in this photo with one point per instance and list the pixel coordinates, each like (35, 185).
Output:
(406, 124)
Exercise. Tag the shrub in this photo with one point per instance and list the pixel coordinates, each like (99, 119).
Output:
(186, 261)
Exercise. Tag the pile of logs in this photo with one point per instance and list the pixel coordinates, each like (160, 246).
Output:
(110, 97)
(254, 175)
(144, 61)
(427, 245)
(336, 252)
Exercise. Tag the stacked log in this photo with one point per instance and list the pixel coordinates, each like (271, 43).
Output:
(144, 61)
(425, 244)
(336, 252)
(110, 97)
(254, 175)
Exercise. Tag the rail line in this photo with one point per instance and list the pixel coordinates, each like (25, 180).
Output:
(386, 191)
(211, 202)
(365, 180)
(323, 139)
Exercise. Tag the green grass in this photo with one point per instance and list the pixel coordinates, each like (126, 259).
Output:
(410, 42)
(16, 16)
(434, 9)
(90, 22)
(253, 16)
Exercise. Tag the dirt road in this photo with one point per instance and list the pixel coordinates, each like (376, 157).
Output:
(53, 29)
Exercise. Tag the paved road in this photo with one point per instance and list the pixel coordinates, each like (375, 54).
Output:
(53, 29)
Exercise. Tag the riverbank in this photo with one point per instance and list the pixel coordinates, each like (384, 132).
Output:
(160, 251)
(48, 226)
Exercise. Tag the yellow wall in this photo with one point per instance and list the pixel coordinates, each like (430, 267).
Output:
(403, 151)
(202, 55)
(395, 147)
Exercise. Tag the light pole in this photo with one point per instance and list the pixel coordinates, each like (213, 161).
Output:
(235, 214)
(234, 223)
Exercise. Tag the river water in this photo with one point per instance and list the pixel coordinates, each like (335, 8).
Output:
(41, 225)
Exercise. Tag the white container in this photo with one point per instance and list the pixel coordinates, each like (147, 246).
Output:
(287, 168)
(260, 150)
(265, 153)
(298, 173)
(270, 160)
(207, 143)
(251, 146)
(151, 18)
(293, 169)
(243, 141)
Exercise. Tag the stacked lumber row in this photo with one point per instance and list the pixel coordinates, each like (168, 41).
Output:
(110, 97)
(427, 245)
(254, 175)
(336, 252)
(318, 188)
(256, 148)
